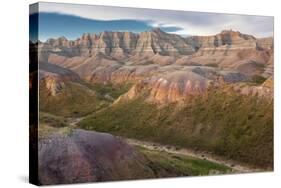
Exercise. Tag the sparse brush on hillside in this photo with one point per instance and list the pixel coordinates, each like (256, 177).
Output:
(103, 90)
(79, 99)
(229, 124)
(257, 79)
(166, 164)
(52, 120)
(74, 100)
(212, 65)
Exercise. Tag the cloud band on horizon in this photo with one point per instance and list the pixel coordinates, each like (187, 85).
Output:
(72, 20)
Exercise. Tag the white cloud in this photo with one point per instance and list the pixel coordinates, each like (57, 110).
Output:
(192, 23)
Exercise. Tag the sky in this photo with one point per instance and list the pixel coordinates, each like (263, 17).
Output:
(72, 20)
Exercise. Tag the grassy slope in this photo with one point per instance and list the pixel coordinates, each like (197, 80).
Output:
(113, 90)
(231, 125)
(158, 163)
(79, 99)
(49, 124)
(73, 100)
(166, 164)
(52, 120)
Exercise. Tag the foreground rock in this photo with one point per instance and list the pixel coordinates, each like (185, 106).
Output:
(87, 156)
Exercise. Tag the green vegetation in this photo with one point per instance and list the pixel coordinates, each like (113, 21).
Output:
(74, 100)
(257, 79)
(212, 65)
(232, 125)
(49, 124)
(149, 62)
(80, 99)
(52, 120)
(45, 130)
(260, 66)
(111, 90)
(166, 164)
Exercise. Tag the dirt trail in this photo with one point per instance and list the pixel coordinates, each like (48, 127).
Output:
(74, 121)
(236, 166)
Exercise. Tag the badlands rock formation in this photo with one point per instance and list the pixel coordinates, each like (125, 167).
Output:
(122, 44)
(54, 77)
(230, 49)
(176, 83)
(172, 67)
(264, 90)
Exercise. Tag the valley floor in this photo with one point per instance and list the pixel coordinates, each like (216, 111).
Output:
(101, 151)
(231, 165)
(162, 160)
(234, 165)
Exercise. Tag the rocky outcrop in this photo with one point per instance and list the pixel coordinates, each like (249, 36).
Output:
(159, 42)
(115, 44)
(232, 50)
(269, 69)
(177, 86)
(155, 46)
(229, 49)
(86, 156)
(265, 90)
(265, 43)
(121, 44)
(235, 39)
(103, 69)
(176, 83)
(172, 67)
(54, 77)
(53, 84)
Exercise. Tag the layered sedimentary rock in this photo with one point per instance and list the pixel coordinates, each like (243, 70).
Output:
(265, 43)
(264, 90)
(269, 68)
(230, 49)
(176, 83)
(226, 37)
(103, 69)
(54, 77)
(157, 41)
(87, 156)
(225, 49)
(122, 44)
(172, 67)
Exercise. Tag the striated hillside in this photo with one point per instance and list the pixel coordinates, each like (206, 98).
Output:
(226, 49)
(122, 44)
(230, 49)
(176, 83)
(171, 66)
(62, 92)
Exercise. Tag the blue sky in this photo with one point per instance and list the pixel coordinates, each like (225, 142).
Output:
(54, 25)
(71, 21)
